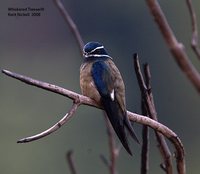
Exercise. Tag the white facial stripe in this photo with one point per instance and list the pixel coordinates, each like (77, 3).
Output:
(96, 49)
(97, 55)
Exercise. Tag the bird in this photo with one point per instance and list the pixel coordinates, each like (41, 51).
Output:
(101, 80)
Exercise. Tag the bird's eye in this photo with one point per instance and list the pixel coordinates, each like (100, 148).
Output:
(85, 53)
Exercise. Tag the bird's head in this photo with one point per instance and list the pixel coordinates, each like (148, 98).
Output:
(94, 50)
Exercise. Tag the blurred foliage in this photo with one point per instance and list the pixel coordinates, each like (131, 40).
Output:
(44, 48)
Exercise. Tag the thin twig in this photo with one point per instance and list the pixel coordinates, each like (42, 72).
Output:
(113, 149)
(71, 24)
(70, 160)
(148, 83)
(145, 130)
(162, 145)
(176, 48)
(112, 145)
(150, 106)
(105, 160)
(132, 116)
(52, 129)
(145, 143)
(114, 152)
(194, 39)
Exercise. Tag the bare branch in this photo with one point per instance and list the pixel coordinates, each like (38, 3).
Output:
(69, 157)
(194, 39)
(167, 133)
(52, 129)
(145, 129)
(114, 152)
(71, 24)
(87, 101)
(132, 116)
(151, 110)
(53, 88)
(176, 48)
(162, 144)
(145, 144)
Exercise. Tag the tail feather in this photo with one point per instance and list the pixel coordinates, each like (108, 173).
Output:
(119, 121)
(130, 129)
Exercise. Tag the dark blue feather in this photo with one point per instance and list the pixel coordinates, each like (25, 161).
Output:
(91, 46)
(104, 83)
(102, 78)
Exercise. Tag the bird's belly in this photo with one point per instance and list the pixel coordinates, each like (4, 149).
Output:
(89, 90)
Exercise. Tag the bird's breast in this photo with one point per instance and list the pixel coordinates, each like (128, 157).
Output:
(87, 85)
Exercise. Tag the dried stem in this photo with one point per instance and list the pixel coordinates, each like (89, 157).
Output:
(71, 24)
(132, 116)
(145, 144)
(194, 39)
(111, 146)
(114, 151)
(52, 129)
(150, 106)
(148, 98)
(70, 160)
(162, 144)
(145, 130)
(176, 48)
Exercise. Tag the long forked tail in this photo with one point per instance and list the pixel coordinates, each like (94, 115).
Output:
(119, 122)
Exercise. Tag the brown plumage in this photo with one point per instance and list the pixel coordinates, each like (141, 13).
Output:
(101, 80)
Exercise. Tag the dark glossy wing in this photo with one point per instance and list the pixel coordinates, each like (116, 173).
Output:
(105, 85)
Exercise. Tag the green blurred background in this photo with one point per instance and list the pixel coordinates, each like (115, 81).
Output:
(44, 48)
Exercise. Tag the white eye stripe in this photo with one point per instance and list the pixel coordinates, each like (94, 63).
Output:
(97, 48)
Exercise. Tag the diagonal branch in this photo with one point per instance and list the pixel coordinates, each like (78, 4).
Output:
(52, 129)
(194, 39)
(150, 106)
(176, 48)
(71, 24)
(50, 87)
(132, 116)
